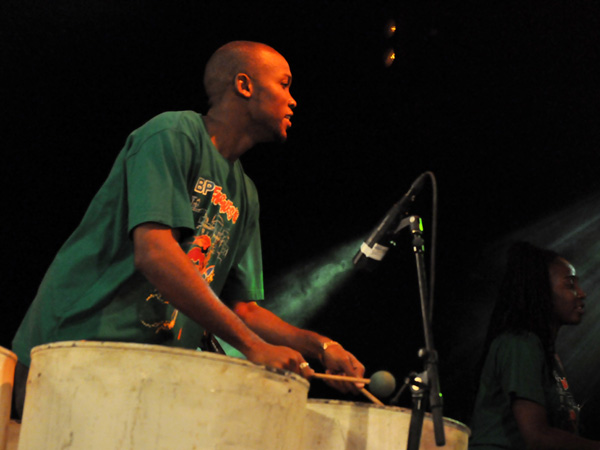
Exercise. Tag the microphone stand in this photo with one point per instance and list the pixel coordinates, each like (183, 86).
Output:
(430, 379)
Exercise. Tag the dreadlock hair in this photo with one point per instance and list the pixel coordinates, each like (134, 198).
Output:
(524, 302)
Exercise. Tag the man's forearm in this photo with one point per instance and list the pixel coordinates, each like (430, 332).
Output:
(276, 331)
(160, 259)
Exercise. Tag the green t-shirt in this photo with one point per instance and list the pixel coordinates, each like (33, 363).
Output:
(516, 367)
(169, 172)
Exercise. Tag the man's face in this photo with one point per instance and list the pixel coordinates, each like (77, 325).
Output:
(567, 295)
(271, 102)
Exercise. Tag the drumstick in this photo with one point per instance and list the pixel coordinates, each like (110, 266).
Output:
(371, 397)
(363, 391)
(327, 376)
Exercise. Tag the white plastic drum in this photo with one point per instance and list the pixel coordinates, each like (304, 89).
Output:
(103, 395)
(8, 361)
(332, 424)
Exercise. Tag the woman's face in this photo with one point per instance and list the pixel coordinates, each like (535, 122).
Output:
(567, 295)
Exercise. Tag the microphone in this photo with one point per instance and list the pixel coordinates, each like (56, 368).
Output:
(375, 247)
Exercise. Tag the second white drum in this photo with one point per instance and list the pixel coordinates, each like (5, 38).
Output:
(332, 424)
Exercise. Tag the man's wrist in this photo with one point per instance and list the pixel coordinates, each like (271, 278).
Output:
(325, 346)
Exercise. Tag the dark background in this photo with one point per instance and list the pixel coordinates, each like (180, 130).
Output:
(500, 100)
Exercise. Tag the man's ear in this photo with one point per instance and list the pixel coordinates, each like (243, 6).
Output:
(243, 85)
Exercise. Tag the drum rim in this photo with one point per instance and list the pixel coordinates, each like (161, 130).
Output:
(8, 353)
(447, 420)
(155, 348)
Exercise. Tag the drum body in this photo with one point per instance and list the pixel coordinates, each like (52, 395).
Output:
(8, 361)
(331, 424)
(106, 395)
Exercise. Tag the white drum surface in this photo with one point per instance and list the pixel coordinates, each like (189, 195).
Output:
(106, 395)
(332, 424)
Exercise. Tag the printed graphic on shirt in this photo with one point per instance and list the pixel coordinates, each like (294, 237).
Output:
(206, 249)
(154, 307)
(569, 409)
(214, 229)
(219, 198)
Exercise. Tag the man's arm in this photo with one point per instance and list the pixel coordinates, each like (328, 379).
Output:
(161, 260)
(276, 331)
(538, 434)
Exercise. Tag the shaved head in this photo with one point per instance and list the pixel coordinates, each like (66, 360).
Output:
(229, 60)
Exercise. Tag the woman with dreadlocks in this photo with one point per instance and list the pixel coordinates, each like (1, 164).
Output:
(523, 399)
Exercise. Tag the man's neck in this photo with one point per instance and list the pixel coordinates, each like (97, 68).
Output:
(227, 136)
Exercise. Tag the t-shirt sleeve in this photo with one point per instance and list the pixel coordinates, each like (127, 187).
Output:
(157, 184)
(521, 364)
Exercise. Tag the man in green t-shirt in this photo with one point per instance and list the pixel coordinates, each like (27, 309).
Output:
(169, 248)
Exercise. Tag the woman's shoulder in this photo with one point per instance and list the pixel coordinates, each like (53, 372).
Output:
(511, 338)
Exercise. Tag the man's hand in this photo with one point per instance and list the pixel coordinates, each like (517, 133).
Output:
(338, 361)
(280, 357)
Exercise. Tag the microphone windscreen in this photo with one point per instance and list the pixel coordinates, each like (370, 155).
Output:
(382, 384)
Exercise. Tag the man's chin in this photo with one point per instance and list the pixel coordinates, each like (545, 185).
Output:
(281, 137)
(278, 137)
